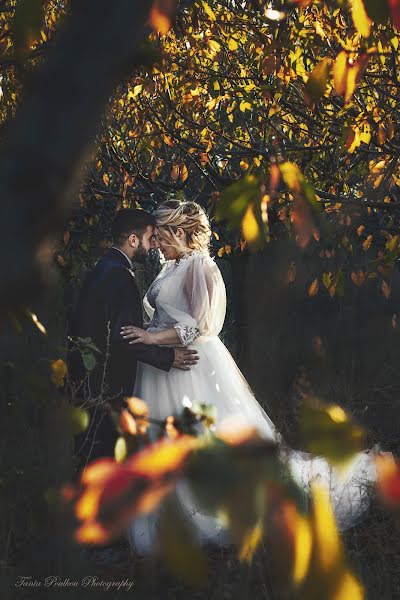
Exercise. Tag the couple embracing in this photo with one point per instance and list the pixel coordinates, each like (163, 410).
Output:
(179, 357)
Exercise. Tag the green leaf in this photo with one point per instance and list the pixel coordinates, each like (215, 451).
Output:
(316, 84)
(235, 200)
(79, 419)
(89, 360)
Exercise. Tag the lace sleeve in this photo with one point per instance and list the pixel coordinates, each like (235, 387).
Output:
(193, 299)
(186, 333)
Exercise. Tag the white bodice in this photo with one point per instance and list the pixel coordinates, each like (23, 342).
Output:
(188, 295)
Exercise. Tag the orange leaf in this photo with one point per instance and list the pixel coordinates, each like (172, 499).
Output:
(388, 469)
(163, 456)
(127, 422)
(313, 289)
(161, 14)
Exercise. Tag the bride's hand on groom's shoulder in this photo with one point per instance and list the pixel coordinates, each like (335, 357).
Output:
(185, 358)
(136, 335)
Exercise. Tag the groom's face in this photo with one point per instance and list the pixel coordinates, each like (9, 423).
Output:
(145, 244)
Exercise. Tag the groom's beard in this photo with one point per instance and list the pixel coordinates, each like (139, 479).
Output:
(140, 254)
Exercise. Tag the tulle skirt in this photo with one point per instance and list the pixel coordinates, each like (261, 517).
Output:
(217, 380)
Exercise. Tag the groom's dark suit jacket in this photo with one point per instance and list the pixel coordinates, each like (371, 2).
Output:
(110, 298)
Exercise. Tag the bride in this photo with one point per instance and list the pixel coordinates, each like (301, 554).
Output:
(186, 303)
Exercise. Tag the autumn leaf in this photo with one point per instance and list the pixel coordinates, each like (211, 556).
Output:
(388, 483)
(362, 21)
(328, 431)
(316, 84)
(250, 227)
(58, 372)
(347, 74)
(313, 289)
(175, 171)
(161, 15)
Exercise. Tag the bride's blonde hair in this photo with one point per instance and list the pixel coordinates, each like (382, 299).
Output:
(191, 217)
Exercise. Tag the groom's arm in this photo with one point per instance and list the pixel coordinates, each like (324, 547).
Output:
(125, 308)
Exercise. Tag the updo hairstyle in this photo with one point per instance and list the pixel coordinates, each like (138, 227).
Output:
(191, 217)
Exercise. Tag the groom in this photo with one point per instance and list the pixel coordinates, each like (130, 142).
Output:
(110, 298)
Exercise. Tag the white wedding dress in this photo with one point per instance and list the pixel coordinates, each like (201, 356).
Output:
(190, 296)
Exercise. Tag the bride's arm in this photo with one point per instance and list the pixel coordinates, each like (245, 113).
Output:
(158, 338)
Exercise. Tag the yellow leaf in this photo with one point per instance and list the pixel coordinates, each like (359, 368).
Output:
(273, 110)
(340, 73)
(348, 587)
(232, 44)
(209, 12)
(361, 20)
(326, 536)
(291, 175)
(120, 450)
(245, 106)
(313, 289)
(302, 548)
(215, 46)
(250, 226)
(365, 134)
(250, 543)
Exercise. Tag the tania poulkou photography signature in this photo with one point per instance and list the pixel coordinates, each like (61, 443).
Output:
(88, 581)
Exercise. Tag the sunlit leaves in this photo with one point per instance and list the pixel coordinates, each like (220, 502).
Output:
(328, 431)
(361, 19)
(140, 413)
(250, 225)
(58, 372)
(161, 14)
(251, 541)
(316, 84)
(347, 73)
(109, 493)
(313, 289)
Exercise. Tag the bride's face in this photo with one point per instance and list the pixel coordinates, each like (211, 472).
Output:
(167, 246)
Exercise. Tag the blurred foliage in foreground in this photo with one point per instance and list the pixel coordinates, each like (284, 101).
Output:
(235, 475)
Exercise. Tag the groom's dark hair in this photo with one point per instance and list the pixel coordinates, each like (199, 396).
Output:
(128, 221)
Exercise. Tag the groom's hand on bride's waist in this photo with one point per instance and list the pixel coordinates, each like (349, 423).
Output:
(185, 358)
